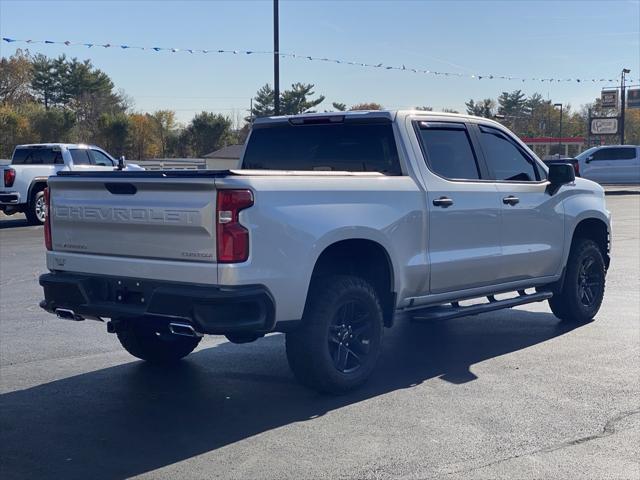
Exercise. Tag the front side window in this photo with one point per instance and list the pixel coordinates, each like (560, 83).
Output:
(504, 159)
(80, 156)
(448, 152)
(100, 158)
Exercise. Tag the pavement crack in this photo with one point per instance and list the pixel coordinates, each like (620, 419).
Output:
(608, 429)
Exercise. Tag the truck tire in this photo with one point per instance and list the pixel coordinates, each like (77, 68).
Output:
(35, 211)
(155, 347)
(337, 347)
(582, 291)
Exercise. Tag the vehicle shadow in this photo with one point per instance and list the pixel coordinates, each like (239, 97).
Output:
(133, 418)
(8, 222)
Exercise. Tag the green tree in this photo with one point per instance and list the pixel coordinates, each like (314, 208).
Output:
(46, 82)
(483, 108)
(114, 132)
(340, 107)
(293, 101)
(53, 125)
(208, 132)
(512, 104)
(297, 99)
(424, 108)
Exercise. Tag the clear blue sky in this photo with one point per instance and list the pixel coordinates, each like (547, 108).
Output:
(529, 38)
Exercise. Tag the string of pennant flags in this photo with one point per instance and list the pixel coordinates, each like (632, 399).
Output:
(310, 58)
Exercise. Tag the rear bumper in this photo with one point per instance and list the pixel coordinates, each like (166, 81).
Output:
(10, 198)
(210, 309)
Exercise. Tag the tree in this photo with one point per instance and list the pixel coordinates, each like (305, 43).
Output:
(483, 108)
(114, 132)
(208, 132)
(165, 126)
(296, 100)
(53, 125)
(141, 136)
(512, 104)
(14, 129)
(424, 108)
(340, 107)
(450, 110)
(15, 78)
(263, 103)
(45, 82)
(366, 106)
(292, 102)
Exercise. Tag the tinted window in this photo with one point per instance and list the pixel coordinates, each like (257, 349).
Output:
(617, 154)
(36, 156)
(100, 158)
(80, 156)
(342, 146)
(504, 159)
(449, 153)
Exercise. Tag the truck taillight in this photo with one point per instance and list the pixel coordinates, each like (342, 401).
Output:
(232, 237)
(47, 220)
(9, 177)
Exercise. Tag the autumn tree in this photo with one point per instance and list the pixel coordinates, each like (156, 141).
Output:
(15, 79)
(366, 106)
(165, 128)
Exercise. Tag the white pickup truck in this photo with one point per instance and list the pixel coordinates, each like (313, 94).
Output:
(336, 226)
(25, 178)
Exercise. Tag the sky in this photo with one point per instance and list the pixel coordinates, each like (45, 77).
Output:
(544, 38)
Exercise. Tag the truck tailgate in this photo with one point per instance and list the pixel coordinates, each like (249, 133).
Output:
(145, 216)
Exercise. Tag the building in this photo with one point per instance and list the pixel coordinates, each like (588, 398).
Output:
(566, 146)
(226, 158)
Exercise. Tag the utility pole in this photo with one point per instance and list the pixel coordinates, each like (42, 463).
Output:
(623, 99)
(276, 59)
(560, 137)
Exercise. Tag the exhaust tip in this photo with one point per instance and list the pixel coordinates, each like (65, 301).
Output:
(66, 314)
(184, 329)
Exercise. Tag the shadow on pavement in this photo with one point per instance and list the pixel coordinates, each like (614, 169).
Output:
(134, 418)
(8, 222)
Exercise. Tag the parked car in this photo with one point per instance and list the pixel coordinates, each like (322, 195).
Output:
(25, 178)
(611, 164)
(336, 226)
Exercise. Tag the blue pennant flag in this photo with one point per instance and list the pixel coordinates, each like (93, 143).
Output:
(8, 40)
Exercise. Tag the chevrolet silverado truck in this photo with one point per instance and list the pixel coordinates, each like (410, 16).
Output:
(336, 226)
(25, 178)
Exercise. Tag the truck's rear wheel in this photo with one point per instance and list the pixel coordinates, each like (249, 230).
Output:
(147, 344)
(35, 211)
(582, 291)
(338, 344)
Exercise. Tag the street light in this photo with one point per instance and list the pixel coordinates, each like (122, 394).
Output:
(622, 103)
(560, 136)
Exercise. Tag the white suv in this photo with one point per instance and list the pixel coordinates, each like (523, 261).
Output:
(611, 164)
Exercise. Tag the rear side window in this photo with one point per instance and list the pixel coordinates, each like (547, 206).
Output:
(353, 147)
(504, 159)
(80, 156)
(616, 154)
(36, 156)
(448, 152)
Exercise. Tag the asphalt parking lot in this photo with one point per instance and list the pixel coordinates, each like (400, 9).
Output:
(510, 394)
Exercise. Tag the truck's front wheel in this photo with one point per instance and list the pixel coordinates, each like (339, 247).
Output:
(156, 347)
(338, 344)
(582, 291)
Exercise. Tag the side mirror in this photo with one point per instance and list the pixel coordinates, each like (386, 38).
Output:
(561, 174)
(589, 159)
(122, 162)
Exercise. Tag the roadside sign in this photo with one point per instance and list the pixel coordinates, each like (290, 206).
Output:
(604, 126)
(633, 98)
(609, 98)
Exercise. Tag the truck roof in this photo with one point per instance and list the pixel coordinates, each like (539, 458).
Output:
(373, 114)
(61, 145)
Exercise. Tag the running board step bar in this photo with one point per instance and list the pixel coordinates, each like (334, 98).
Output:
(443, 312)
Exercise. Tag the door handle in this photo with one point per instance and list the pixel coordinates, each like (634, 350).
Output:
(510, 200)
(443, 202)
